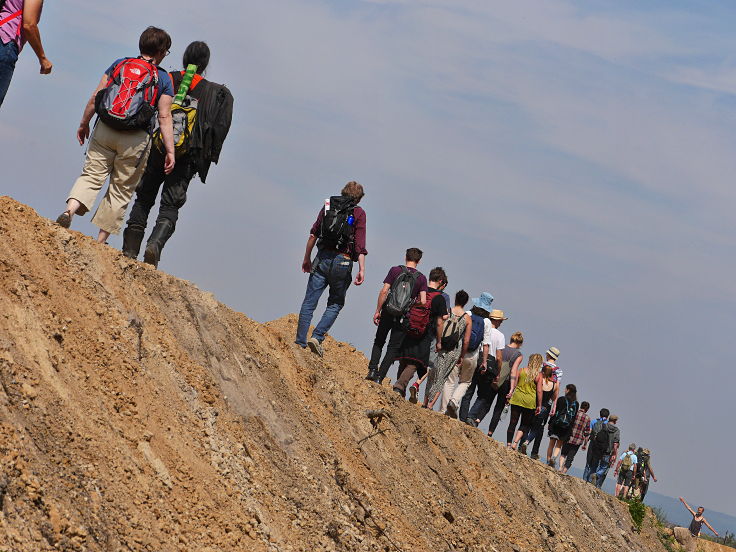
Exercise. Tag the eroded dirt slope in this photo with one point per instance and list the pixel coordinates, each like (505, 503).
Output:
(138, 413)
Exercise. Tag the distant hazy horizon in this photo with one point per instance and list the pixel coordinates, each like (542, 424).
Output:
(573, 158)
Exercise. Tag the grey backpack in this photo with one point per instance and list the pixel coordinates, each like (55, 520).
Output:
(401, 295)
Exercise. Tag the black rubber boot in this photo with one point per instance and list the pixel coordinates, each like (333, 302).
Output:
(156, 241)
(132, 238)
(372, 375)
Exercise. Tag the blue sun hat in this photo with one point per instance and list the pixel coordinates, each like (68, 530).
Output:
(484, 301)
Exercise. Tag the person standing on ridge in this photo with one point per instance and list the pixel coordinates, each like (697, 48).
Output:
(644, 472)
(547, 410)
(454, 343)
(425, 323)
(525, 398)
(198, 145)
(486, 374)
(549, 389)
(595, 425)
(561, 422)
(499, 386)
(625, 471)
(19, 21)
(551, 360)
(605, 449)
(578, 436)
(403, 286)
(129, 95)
(693, 531)
(339, 234)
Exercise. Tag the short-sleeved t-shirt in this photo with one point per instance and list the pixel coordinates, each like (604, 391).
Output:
(421, 284)
(497, 341)
(634, 459)
(165, 86)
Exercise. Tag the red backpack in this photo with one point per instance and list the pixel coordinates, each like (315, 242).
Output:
(419, 316)
(128, 102)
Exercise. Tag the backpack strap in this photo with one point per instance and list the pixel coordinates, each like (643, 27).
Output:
(12, 16)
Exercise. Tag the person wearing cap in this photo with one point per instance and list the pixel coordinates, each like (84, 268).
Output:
(553, 354)
(461, 376)
(643, 472)
(488, 383)
(626, 470)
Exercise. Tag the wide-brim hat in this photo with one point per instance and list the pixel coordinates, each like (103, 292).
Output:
(554, 352)
(497, 315)
(484, 301)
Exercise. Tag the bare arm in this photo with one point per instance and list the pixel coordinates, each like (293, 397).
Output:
(651, 471)
(31, 18)
(709, 526)
(689, 509)
(307, 262)
(618, 466)
(167, 130)
(540, 392)
(89, 111)
(360, 278)
(514, 377)
(486, 350)
(423, 297)
(382, 295)
(555, 396)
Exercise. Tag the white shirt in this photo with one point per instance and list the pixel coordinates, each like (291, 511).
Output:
(497, 340)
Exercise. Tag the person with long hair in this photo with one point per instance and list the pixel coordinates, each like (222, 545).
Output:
(525, 399)
(560, 426)
(547, 388)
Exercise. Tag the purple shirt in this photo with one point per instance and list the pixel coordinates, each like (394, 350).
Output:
(358, 246)
(420, 286)
(12, 30)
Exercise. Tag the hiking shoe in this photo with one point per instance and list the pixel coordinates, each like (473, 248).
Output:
(315, 346)
(400, 392)
(535, 456)
(594, 479)
(451, 410)
(64, 219)
(522, 448)
(372, 376)
(471, 422)
(551, 463)
(413, 390)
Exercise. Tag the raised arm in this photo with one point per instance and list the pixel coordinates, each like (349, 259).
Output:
(689, 509)
(382, 295)
(709, 526)
(31, 18)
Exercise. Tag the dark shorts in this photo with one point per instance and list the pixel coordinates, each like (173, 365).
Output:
(561, 433)
(624, 478)
(569, 451)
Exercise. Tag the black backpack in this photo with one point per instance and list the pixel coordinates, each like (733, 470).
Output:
(565, 418)
(401, 295)
(338, 223)
(602, 440)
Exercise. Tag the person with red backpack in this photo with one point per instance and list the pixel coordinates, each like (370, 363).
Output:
(425, 322)
(130, 94)
(19, 24)
(403, 286)
(339, 234)
(197, 144)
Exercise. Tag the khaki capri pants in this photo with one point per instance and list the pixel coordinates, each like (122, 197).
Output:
(122, 156)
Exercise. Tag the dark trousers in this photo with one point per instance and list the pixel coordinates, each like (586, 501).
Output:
(468, 397)
(517, 412)
(486, 396)
(387, 325)
(537, 431)
(173, 196)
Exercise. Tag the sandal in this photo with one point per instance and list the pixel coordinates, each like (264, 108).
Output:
(64, 219)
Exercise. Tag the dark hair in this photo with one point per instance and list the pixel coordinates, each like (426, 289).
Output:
(605, 413)
(571, 392)
(197, 53)
(585, 405)
(437, 274)
(154, 41)
(413, 255)
(461, 298)
(483, 313)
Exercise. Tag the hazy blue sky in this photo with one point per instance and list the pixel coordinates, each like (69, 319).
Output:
(573, 158)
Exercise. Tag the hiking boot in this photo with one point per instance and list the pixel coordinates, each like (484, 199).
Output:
(522, 448)
(64, 219)
(471, 422)
(315, 346)
(451, 410)
(413, 390)
(594, 479)
(372, 376)
(535, 456)
(132, 238)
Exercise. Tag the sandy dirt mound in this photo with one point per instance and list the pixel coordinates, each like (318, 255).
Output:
(138, 413)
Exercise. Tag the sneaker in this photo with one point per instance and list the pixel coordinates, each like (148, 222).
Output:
(413, 390)
(315, 346)
(471, 422)
(451, 410)
(551, 463)
(522, 448)
(64, 219)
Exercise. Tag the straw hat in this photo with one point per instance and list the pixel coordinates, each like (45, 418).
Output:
(497, 315)
(554, 352)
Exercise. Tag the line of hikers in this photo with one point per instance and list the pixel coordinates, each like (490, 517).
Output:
(459, 354)
(153, 128)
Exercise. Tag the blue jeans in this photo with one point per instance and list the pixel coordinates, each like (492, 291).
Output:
(8, 57)
(333, 270)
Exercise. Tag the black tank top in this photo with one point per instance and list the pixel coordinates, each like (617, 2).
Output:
(547, 396)
(695, 526)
